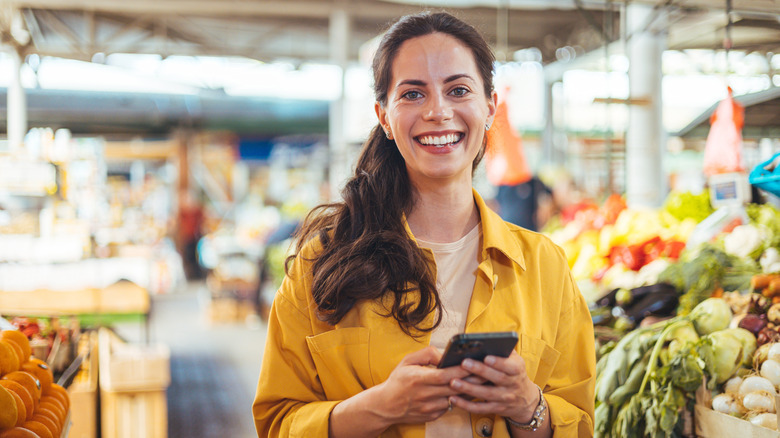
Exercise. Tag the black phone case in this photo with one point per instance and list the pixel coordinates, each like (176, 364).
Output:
(477, 346)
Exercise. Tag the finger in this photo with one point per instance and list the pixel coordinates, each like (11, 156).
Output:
(485, 371)
(429, 355)
(513, 365)
(475, 407)
(488, 393)
(476, 380)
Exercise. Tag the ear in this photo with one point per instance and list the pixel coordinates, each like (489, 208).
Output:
(492, 105)
(381, 114)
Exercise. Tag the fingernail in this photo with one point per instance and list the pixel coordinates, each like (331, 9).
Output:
(490, 360)
(468, 363)
(456, 384)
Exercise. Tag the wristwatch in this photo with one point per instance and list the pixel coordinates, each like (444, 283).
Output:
(538, 418)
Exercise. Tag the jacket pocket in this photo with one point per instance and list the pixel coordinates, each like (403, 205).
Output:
(540, 358)
(341, 359)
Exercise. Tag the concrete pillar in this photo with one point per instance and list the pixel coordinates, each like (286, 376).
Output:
(339, 55)
(645, 138)
(17, 104)
(553, 140)
(548, 135)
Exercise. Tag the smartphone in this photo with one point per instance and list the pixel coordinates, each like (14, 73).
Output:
(477, 346)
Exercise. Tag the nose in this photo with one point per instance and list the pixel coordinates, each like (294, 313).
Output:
(437, 109)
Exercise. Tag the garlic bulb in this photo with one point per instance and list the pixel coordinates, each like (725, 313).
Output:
(759, 401)
(728, 404)
(774, 351)
(756, 383)
(765, 420)
(770, 370)
(732, 384)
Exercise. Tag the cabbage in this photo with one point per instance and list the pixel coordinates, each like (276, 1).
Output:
(711, 315)
(681, 335)
(748, 342)
(726, 357)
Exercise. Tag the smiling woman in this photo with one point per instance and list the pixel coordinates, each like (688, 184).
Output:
(412, 256)
(437, 109)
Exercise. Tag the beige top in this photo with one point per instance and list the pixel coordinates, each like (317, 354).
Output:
(456, 266)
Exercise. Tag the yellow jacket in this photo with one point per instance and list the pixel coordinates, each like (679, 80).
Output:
(523, 284)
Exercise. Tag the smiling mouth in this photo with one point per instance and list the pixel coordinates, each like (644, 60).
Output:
(440, 141)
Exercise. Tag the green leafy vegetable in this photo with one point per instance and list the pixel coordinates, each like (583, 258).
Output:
(767, 216)
(702, 271)
(683, 205)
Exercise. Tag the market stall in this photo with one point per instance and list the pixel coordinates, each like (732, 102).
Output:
(685, 305)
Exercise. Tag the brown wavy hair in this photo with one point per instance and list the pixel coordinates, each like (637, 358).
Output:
(366, 250)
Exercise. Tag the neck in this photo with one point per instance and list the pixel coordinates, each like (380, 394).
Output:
(443, 215)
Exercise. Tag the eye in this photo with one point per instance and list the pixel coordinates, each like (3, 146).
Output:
(412, 95)
(460, 91)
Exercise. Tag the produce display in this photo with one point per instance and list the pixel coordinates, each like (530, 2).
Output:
(31, 404)
(52, 339)
(650, 376)
(683, 298)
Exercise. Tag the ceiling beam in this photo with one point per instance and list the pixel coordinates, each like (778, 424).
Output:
(223, 8)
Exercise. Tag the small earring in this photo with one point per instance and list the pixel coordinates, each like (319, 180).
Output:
(387, 134)
(487, 126)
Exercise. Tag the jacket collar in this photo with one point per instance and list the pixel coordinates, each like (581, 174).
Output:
(495, 233)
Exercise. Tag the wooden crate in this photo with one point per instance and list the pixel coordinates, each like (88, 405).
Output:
(133, 382)
(83, 394)
(713, 424)
(229, 310)
(49, 302)
(120, 297)
(134, 414)
(132, 367)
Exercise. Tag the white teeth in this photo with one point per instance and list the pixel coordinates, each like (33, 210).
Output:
(440, 140)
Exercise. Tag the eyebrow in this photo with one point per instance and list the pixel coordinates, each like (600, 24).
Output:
(420, 83)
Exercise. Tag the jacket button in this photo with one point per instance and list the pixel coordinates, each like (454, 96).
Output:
(485, 427)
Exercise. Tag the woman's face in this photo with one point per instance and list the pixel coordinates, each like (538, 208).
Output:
(436, 109)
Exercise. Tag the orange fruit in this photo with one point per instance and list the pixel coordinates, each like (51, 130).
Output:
(30, 382)
(18, 432)
(21, 411)
(41, 370)
(9, 360)
(53, 401)
(39, 429)
(55, 407)
(17, 349)
(19, 339)
(60, 394)
(29, 403)
(47, 421)
(8, 411)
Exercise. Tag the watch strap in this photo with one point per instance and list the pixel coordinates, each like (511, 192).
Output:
(536, 420)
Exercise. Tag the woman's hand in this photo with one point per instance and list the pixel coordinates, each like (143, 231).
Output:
(416, 391)
(511, 393)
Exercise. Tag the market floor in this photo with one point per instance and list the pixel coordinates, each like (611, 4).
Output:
(214, 366)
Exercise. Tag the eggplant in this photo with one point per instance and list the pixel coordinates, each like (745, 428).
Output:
(637, 293)
(656, 304)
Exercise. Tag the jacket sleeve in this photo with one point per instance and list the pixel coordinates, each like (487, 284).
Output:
(570, 391)
(290, 400)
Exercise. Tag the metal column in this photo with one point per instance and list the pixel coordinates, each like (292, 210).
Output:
(645, 138)
(339, 55)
